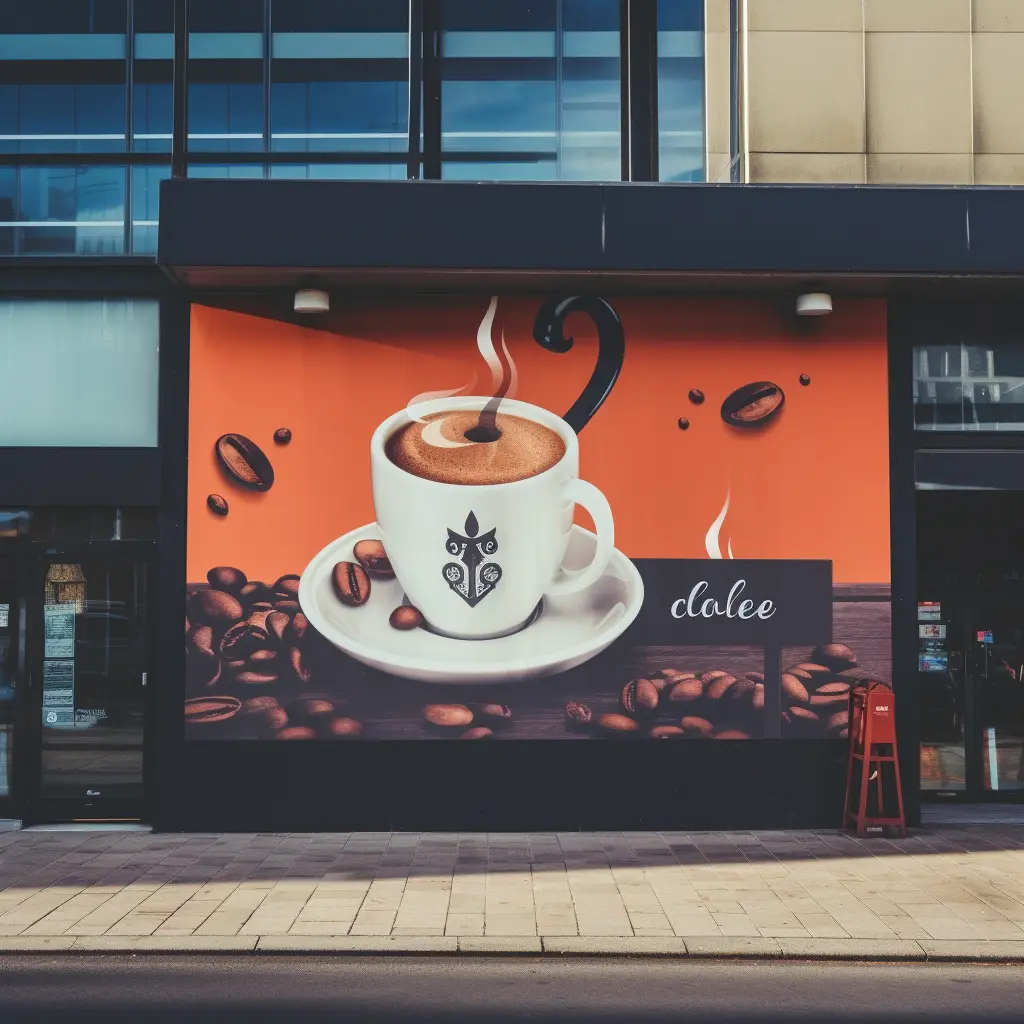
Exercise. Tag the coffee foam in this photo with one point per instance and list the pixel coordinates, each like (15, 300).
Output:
(525, 449)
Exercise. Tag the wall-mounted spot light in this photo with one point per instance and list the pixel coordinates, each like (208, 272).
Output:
(312, 300)
(813, 304)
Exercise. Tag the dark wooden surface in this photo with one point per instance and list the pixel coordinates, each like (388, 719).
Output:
(390, 707)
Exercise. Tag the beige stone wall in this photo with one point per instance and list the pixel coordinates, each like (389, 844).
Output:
(883, 91)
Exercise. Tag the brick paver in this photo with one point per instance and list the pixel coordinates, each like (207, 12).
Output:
(952, 884)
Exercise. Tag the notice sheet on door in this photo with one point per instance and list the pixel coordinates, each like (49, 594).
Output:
(58, 691)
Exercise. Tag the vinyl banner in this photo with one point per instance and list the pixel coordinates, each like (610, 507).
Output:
(557, 517)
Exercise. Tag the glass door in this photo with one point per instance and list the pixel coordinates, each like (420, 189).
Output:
(89, 672)
(10, 673)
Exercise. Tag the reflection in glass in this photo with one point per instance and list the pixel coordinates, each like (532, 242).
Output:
(153, 68)
(530, 90)
(340, 172)
(146, 207)
(969, 387)
(225, 90)
(62, 76)
(339, 76)
(681, 90)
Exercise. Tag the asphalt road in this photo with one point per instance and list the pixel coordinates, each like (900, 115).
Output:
(189, 989)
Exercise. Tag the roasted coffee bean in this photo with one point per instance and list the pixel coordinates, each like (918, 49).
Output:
(804, 379)
(793, 687)
(288, 607)
(840, 687)
(345, 728)
(273, 719)
(818, 673)
(753, 405)
(262, 606)
(277, 623)
(805, 677)
(260, 658)
(577, 715)
(257, 705)
(244, 462)
(302, 671)
(202, 669)
(203, 710)
(675, 674)
(855, 675)
(758, 677)
(696, 396)
(214, 607)
(826, 700)
(757, 697)
(287, 587)
(683, 423)
(731, 734)
(200, 640)
(254, 678)
(666, 732)
(491, 714)
(615, 725)
(695, 727)
(803, 715)
(297, 732)
(406, 617)
(225, 577)
(448, 715)
(836, 656)
(235, 664)
(709, 677)
(479, 732)
(310, 710)
(741, 690)
(298, 626)
(282, 435)
(217, 504)
(351, 583)
(838, 720)
(685, 691)
(639, 696)
(257, 592)
(242, 639)
(719, 687)
(370, 554)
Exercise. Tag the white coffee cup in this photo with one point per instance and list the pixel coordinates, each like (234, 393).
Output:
(476, 559)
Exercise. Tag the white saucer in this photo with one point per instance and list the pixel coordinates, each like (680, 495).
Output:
(569, 630)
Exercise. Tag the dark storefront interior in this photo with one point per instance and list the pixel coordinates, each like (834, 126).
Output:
(971, 564)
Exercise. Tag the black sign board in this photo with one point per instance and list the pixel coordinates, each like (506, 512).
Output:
(741, 602)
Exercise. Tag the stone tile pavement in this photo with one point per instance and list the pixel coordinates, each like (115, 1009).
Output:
(945, 888)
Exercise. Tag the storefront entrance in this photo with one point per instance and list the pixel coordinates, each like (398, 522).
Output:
(75, 647)
(971, 643)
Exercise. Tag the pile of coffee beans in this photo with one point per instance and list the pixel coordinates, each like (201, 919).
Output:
(245, 646)
(466, 721)
(674, 703)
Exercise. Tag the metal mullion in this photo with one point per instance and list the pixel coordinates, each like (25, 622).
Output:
(82, 159)
(432, 89)
(415, 80)
(179, 90)
(129, 119)
(267, 40)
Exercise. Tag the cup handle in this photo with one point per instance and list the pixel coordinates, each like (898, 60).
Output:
(579, 492)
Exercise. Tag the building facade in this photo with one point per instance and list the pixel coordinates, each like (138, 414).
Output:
(438, 370)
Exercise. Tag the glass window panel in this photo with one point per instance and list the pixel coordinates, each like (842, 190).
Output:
(969, 387)
(146, 207)
(340, 172)
(69, 211)
(225, 170)
(681, 90)
(225, 96)
(62, 77)
(79, 373)
(152, 120)
(532, 88)
(8, 205)
(339, 76)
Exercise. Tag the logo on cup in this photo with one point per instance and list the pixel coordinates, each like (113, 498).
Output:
(472, 578)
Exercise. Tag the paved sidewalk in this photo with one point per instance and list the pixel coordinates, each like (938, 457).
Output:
(946, 892)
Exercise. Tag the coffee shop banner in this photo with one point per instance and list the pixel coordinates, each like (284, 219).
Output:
(535, 517)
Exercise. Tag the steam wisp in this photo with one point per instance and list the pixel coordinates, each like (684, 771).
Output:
(711, 539)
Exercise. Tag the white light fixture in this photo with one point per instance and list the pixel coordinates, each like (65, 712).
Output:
(813, 304)
(311, 300)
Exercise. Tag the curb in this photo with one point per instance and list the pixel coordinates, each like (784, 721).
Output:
(669, 947)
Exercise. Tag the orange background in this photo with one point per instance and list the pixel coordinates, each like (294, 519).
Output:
(814, 483)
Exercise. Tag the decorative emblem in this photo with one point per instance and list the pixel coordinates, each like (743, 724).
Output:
(471, 577)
